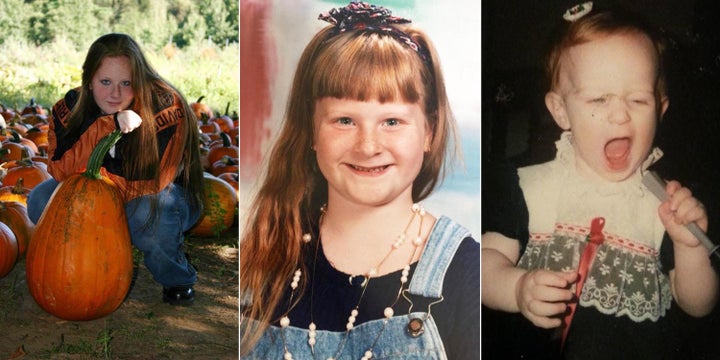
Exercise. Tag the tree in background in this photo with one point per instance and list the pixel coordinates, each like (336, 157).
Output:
(153, 22)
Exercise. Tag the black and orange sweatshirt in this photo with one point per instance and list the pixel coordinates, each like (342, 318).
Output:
(68, 154)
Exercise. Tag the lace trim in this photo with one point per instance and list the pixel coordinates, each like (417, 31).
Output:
(622, 281)
(585, 231)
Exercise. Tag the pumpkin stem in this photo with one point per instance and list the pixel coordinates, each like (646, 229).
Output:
(98, 154)
(19, 187)
(227, 141)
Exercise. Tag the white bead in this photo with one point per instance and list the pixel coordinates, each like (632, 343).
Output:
(294, 285)
(388, 312)
(298, 273)
(311, 341)
(417, 241)
(368, 354)
(288, 356)
(307, 237)
(372, 272)
(406, 271)
(312, 335)
(415, 207)
(354, 312)
(349, 326)
(285, 321)
(312, 327)
(403, 279)
(351, 319)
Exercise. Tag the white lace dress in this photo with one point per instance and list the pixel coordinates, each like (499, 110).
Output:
(626, 277)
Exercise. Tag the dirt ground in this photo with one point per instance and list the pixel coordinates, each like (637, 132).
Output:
(143, 327)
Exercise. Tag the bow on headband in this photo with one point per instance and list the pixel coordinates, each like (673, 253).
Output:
(364, 16)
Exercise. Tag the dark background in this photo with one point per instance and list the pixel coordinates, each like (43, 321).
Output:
(517, 127)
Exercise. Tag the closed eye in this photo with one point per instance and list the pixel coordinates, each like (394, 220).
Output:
(641, 101)
(599, 100)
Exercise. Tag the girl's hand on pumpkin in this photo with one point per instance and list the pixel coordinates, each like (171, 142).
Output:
(128, 120)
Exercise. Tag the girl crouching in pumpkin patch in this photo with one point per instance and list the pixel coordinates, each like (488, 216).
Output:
(155, 164)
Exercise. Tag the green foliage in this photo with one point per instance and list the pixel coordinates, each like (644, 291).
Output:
(192, 44)
(47, 72)
(153, 22)
(97, 348)
(52, 19)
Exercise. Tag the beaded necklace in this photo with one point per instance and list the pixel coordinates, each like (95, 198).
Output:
(417, 210)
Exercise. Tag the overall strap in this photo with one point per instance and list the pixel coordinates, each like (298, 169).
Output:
(443, 242)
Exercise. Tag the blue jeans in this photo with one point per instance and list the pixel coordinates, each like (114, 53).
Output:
(160, 241)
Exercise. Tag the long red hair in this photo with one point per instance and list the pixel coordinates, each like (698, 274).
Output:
(360, 65)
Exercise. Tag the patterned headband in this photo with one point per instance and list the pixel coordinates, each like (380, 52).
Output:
(364, 16)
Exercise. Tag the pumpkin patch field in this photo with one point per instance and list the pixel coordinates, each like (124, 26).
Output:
(133, 323)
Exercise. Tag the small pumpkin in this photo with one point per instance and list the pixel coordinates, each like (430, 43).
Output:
(202, 111)
(233, 179)
(33, 172)
(15, 216)
(223, 148)
(39, 136)
(79, 262)
(208, 127)
(226, 164)
(8, 250)
(225, 122)
(33, 108)
(17, 192)
(218, 208)
(13, 147)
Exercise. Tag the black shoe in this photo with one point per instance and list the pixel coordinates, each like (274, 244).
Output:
(179, 295)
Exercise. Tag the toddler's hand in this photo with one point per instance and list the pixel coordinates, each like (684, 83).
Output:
(542, 296)
(679, 209)
(128, 120)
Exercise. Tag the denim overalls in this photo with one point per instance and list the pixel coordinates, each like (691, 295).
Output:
(394, 342)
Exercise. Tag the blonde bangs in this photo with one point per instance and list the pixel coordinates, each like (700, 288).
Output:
(369, 66)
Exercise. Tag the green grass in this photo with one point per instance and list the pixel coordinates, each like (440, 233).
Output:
(46, 73)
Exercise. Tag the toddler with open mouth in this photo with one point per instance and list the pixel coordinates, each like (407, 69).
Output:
(581, 250)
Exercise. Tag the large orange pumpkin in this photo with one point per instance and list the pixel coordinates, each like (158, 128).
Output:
(218, 208)
(8, 250)
(79, 262)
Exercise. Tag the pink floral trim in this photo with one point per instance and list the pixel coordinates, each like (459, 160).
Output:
(610, 239)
